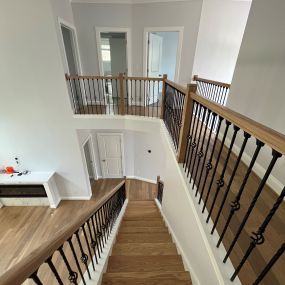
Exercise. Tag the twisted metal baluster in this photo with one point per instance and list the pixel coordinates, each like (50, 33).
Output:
(269, 265)
(246, 137)
(228, 123)
(220, 181)
(235, 205)
(275, 156)
(258, 236)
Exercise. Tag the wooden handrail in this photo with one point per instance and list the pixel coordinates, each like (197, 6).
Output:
(179, 87)
(265, 134)
(222, 84)
(112, 77)
(29, 264)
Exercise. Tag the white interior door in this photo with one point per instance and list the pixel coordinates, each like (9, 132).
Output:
(154, 55)
(154, 64)
(110, 150)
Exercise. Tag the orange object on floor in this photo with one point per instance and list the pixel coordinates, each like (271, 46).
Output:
(9, 170)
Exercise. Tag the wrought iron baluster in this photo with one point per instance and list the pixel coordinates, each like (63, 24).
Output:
(78, 96)
(84, 256)
(220, 181)
(246, 137)
(76, 259)
(269, 265)
(201, 123)
(208, 166)
(201, 153)
(235, 205)
(194, 142)
(275, 156)
(92, 241)
(36, 278)
(90, 96)
(258, 236)
(88, 246)
(54, 271)
(72, 274)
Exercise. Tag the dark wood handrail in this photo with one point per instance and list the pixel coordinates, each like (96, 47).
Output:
(265, 134)
(222, 84)
(29, 264)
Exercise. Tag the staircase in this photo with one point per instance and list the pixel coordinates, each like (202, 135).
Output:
(144, 253)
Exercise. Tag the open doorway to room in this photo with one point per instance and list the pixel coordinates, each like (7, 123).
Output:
(88, 151)
(113, 46)
(70, 48)
(162, 51)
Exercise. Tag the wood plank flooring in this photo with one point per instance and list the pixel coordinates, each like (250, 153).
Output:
(144, 253)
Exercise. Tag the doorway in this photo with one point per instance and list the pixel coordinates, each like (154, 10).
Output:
(70, 47)
(113, 45)
(89, 158)
(111, 155)
(162, 52)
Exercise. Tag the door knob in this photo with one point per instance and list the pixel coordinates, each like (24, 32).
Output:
(103, 160)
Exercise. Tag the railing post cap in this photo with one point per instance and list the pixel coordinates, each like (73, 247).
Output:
(164, 76)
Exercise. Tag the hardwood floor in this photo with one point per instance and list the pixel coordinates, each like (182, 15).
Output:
(147, 111)
(24, 229)
(144, 253)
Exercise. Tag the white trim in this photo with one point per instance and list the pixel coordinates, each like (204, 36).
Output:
(122, 152)
(98, 31)
(180, 30)
(72, 28)
(142, 179)
(90, 140)
(76, 197)
(101, 267)
(186, 263)
(129, 1)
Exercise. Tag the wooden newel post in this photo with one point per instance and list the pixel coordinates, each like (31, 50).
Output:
(122, 97)
(163, 96)
(186, 121)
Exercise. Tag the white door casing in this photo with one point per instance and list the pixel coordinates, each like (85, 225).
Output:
(111, 154)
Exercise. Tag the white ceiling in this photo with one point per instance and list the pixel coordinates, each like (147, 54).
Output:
(125, 1)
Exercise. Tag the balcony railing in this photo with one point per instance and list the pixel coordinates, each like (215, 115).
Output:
(212, 90)
(116, 95)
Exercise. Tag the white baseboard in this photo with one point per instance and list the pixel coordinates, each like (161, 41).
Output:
(101, 267)
(142, 179)
(187, 265)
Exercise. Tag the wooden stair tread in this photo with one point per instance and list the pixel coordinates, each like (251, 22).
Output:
(143, 237)
(143, 223)
(152, 281)
(178, 275)
(142, 218)
(144, 249)
(145, 263)
(127, 229)
(141, 203)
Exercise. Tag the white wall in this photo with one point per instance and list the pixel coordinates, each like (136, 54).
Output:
(220, 35)
(89, 16)
(137, 17)
(257, 88)
(169, 53)
(35, 111)
(138, 161)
